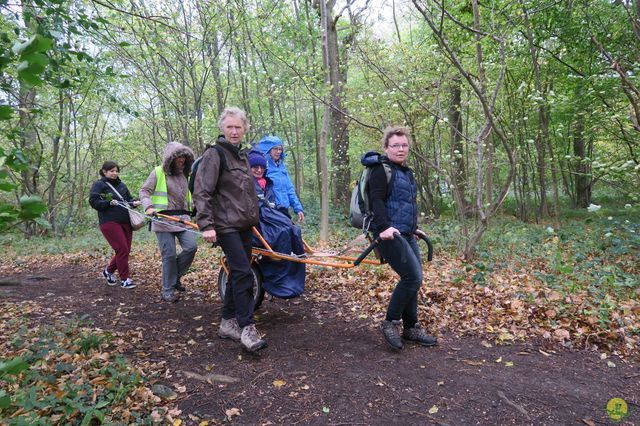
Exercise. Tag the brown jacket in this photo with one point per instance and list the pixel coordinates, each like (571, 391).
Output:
(229, 203)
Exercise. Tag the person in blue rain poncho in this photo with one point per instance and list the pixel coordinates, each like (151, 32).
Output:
(282, 279)
(285, 193)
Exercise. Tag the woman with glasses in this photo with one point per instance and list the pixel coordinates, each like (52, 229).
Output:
(395, 221)
(286, 197)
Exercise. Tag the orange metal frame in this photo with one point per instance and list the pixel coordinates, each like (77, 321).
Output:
(338, 261)
(267, 251)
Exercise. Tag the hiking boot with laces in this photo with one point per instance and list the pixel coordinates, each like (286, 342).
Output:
(418, 335)
(173, 298)
(391, 334)
(128, 283)
(229, 329)
(111, 279)
(250, 339)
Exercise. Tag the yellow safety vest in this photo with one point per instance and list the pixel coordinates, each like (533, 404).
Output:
(160, 198)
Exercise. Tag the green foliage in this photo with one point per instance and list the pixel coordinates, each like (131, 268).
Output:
(29, 207)
(52, 378)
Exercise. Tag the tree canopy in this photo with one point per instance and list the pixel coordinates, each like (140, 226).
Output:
(534, 101)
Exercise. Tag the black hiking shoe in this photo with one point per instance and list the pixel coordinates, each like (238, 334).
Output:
(418, 335)
(180, 287)
(391, 334)
(128, 283)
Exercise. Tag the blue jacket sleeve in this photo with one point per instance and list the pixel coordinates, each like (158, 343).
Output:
(293, 197)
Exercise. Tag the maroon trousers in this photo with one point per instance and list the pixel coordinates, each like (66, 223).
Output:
(119, 236)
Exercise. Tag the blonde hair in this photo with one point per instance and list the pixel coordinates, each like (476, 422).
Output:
(234, 112)
(395, 131)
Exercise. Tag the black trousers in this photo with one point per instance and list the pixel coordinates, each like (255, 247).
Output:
(403, 255)
(238, 298)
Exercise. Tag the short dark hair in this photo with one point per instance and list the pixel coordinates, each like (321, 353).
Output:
(395, 131)
(108, 165)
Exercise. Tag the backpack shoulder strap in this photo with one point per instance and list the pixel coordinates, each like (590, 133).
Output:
(223, 158)
(388, 170)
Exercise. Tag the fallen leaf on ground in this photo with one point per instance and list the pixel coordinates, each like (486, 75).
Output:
(231, 412)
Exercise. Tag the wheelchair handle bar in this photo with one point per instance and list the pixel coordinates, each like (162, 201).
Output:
(375, 242)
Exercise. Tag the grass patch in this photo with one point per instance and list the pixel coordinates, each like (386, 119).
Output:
(82, 240)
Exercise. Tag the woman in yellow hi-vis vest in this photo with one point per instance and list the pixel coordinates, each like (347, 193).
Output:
(167, 190)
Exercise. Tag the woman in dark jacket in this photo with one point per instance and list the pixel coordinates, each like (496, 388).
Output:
(105, 195)
(395, 221)
(227, 208)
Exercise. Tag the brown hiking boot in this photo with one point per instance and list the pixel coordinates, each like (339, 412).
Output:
(251, 340)
(229, 329)
(391, 333)
(418, 335)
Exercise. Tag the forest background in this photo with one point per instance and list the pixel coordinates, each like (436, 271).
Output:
(524, 113)
(525, 116)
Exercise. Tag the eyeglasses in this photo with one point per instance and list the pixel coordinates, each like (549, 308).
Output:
(404, 146)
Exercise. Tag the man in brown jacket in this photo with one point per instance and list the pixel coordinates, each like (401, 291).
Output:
(227, 209)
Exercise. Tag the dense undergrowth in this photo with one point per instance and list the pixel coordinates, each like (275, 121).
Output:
(584, 251)
(66, 372)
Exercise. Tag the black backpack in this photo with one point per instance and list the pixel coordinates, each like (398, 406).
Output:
(360, 213)
(196, 164)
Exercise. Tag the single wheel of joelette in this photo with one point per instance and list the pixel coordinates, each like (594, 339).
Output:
(258, 290)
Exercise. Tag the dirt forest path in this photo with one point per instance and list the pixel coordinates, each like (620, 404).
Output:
(323, 368)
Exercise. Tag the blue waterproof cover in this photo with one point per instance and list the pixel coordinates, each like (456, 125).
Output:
(283, 279)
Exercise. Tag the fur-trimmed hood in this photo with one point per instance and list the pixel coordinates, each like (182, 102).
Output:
(174, 150)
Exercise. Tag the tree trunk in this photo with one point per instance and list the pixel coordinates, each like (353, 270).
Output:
(28, 144)
(581, 170)
(459, 172)
(215, 67)
(543, 125)
(54, 166)
(323, 170)
(338, 122)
